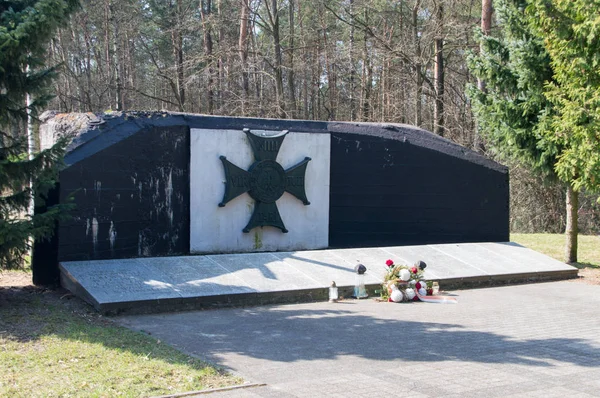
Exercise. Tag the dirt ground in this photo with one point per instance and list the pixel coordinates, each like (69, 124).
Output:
(591, 276)
(14, 279)
(21, 300)
(17, 292)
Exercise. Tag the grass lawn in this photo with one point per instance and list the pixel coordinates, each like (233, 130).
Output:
(52, 345)
(553, 245)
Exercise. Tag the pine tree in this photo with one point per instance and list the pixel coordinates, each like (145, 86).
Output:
(541, 106)
(25, 26)
(512, 109)
(571, 32)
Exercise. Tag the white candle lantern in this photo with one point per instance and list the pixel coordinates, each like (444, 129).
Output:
(333, 293)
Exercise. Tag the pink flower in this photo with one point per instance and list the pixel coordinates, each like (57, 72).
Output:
(389, 263)
(414, 270)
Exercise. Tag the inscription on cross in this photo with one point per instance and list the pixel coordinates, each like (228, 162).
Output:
(265, 181)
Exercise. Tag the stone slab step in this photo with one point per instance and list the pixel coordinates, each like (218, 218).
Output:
(156, 284)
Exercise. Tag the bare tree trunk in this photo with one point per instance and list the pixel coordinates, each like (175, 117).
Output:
(67, 86)
(107, 52)
(30, 141)
(102, 74)
(382, 90)
(367, 78)
(132, 71)
(117, 59)
(273, 11)
(306, 74)
(367, 83)
(205, 7)
(256, 72)
(572, 228)
(88, 68)
(403, 81)
(438, 74)
(243, 50)
(220, 61)
(352, 66)
(316, 82)
(177, 41)
(126, 71)
(418, 66)
(486, 27)
(291, 77)
(385, 87)
(331, 78)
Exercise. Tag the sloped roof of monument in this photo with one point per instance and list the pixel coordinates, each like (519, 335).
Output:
(415, 136)
(95, 132)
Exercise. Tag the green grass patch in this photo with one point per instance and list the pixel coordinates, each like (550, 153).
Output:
(553, 245)
(51, 347)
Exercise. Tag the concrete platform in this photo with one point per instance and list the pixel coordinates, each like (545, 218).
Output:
(190, 282)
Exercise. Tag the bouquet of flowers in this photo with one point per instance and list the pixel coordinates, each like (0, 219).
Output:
(403, 283)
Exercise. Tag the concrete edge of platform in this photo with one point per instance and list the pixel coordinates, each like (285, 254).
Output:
(70, 283)
(475, 282)
(312, 294)
(221, 301)
(297, 296)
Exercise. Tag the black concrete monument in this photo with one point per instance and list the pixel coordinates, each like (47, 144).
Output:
(369, 185)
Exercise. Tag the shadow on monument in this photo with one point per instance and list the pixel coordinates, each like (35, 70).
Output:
(145, 283)
(283, 335)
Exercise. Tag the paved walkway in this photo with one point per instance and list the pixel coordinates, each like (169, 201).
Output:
(540, 340)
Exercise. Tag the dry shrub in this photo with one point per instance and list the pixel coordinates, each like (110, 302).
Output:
(539, 206)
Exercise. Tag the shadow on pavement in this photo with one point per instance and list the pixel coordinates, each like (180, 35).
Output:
(284, 335)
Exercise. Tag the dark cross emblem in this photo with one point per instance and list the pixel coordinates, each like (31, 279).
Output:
(265, 181)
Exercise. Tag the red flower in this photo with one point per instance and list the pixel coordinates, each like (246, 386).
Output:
(414, 270)
(418, 285)
(430, 292)
(389, 263)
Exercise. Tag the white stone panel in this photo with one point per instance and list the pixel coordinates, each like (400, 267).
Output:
(216, 229)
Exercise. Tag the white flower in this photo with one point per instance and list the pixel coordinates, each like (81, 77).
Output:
(397, 296)
(404, 274)
(410, 293)
(422, 292)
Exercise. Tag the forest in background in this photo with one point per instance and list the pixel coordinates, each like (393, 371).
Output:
(402, 61)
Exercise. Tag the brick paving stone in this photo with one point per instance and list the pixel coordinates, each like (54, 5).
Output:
(540, 340)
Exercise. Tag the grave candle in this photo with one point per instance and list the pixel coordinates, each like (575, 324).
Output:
(359, 286)
(333, 293)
